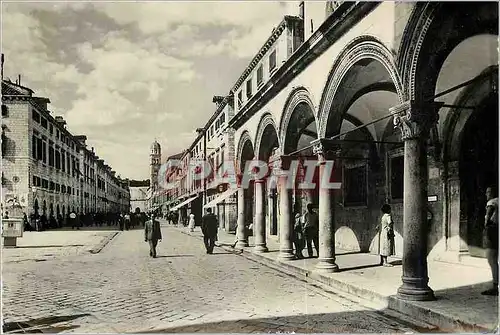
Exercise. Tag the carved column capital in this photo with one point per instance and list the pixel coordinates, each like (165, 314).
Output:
(279, 164)
(325, 150)
(414, 119)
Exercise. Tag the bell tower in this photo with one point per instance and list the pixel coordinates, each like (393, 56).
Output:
(155, 162)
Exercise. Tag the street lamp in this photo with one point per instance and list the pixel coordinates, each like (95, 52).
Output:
(204, 132)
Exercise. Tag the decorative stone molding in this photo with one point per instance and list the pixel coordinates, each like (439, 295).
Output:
(324, 150)
(265, 120)
(362, 47)
(245, 136)
(413, 37)
(297, 96)
(415, 120)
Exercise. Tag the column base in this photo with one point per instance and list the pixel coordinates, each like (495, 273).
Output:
(260, 248)
(327, 266)
(286, 255)
(415, 289)
(241, 244)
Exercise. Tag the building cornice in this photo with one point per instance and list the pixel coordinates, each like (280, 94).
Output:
(263, 50)
(348, 14)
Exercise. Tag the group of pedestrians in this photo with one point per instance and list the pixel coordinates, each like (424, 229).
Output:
(209, 227)
(306, 234)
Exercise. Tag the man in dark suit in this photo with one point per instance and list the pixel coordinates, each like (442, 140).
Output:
(152, 234)
(209, 228)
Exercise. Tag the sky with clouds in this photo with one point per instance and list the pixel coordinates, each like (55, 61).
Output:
(125, 73)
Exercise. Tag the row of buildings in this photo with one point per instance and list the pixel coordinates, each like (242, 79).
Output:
(403, 97)
(48, 170)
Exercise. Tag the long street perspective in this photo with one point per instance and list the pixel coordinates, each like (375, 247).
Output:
(249, 167)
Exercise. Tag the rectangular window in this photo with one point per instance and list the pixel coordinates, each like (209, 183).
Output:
(45, 183)
(249, 88)
(58, 159)
(240, 99)
(355, 186)
(44, 152)
(35, 116)
(52, 186)
(34, 181)
(5, 111)
(63, 188)
(272, 61)
(69, 190)
(51, 155)
(260, 75)
(58, 188)
(34, 152)
(396, 167)
(44, 122)
(68, 162)
(63, 161)
(223, 118)
(51, 129)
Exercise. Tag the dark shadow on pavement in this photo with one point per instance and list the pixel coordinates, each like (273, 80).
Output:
(342, 322)
(172, 256)
(42, 325)
(352, 268)
(461, 309)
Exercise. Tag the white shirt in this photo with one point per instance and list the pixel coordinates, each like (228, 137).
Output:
(493, 203)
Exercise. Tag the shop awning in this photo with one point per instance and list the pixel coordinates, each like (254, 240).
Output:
(221, 198)
(185, 202)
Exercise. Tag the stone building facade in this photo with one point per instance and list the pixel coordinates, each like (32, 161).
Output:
(194, 195)
(47, 168)
(402, 98)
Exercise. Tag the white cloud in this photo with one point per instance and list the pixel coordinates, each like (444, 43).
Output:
(174, 22)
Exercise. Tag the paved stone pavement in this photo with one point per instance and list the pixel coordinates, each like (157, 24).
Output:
(122, 289)
(50, 244)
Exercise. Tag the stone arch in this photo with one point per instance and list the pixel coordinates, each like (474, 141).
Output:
(265, 121)
(360, 48)
(298, 96)
(245, 141)
(438, 26)
(457, 118)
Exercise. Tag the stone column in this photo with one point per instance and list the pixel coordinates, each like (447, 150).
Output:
(415, 122)
(240, 228)
(286, 216)
(260, 217)
(326, 259)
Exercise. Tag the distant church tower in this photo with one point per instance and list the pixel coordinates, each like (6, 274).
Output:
(155, 162)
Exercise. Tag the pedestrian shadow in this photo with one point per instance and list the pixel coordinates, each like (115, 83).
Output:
(172, 256)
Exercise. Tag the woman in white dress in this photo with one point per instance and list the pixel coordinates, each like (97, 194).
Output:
(191, 222)
(386, 235)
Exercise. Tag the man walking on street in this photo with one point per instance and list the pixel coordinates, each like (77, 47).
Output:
(152, 234)
(209, 229)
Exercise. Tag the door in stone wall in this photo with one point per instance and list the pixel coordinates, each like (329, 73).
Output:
(478, 170)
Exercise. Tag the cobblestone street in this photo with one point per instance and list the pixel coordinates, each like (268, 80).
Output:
(122, 289)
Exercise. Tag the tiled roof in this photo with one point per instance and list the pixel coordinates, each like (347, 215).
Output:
(10, 88)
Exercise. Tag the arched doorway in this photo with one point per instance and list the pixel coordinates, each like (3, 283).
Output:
(363, 85)
(245, 154)
(266, 143)
(478, 169)
(456, 53)
(298, 129)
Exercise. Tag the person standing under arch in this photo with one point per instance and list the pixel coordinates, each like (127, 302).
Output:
(386, 235)
(491, 237)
